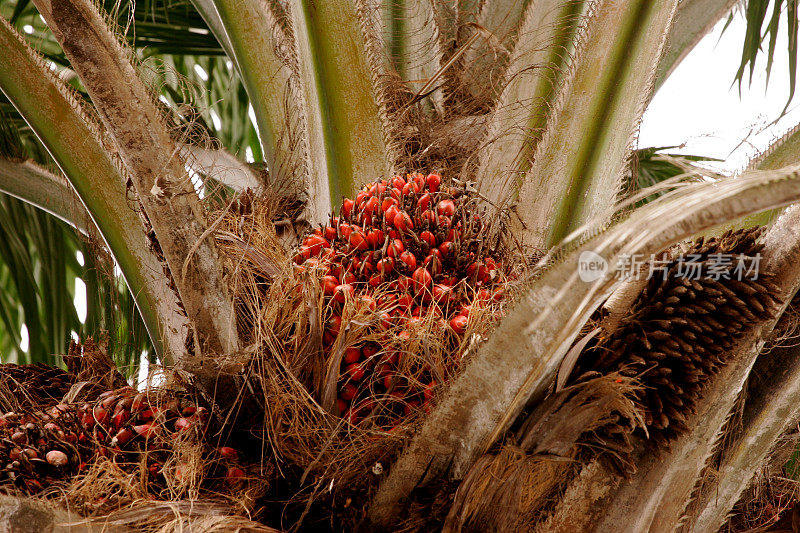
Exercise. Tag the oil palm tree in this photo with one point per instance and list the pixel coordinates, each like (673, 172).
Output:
(533, 105)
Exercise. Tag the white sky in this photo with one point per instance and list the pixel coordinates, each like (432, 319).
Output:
(700, 107)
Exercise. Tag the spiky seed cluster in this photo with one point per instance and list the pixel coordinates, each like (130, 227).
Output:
(412, 251)
(39, 448)
(679, 331)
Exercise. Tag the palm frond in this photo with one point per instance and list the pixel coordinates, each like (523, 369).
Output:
(764, 21)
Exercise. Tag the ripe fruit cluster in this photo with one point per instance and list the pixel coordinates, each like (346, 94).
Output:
(39, 448)
(413, 252)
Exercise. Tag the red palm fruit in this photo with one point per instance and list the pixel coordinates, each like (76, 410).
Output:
(386, 321)
(398, 182)
(387, 301)
(121, 417)
(422, 278)
(146, 415)
(459, 324)
(100, 415)
(371, 205)
(450, 281)
(234, 475)
(434, 262)
(498, 294)
(315, 244)
(375, 238)
(375, 281)
(358, 241)
(446, 248)
(33, 486)
(405, 301)
(433, 181)
(342, 292)
(56, 458)
(329, 284)
(182, 424)
(444, 221)
(108, 402)
(388, 202)
(472, 268)
(334, 324)
(139, 402)
(446, 208)
(355, 371)
(154, 469)
(352, 354)
(429, 217)
(404, 283)
(370, 350)
(385, 266)
(352, 417)
(404, 337)
(122, 437)
(377, 189)
(345, 230)
(411, 188)
(403, 222)
(349, 392)
(347, 207)
(396, 194)
(318, 231)
(441, 293)
(330, 232)
(341, 405)
(424, 202)
(394, 234)
(395, 248)
(189, 410)
(428, 237)
(348, 278)
(146, 430)
(391, 213)
(226, 452)
(361, 197)
(483, 296)
(328, 338)
(483, 274)
(409, 260)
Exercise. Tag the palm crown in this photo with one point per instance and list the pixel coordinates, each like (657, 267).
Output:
(530, 106)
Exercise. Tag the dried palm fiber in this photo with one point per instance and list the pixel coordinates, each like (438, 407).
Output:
(677, 333)
(509, 489)
(35, 384)
(90, 371)
(771, 501)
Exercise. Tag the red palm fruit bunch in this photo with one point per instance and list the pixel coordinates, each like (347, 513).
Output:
(39, 448)
(412, 252)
